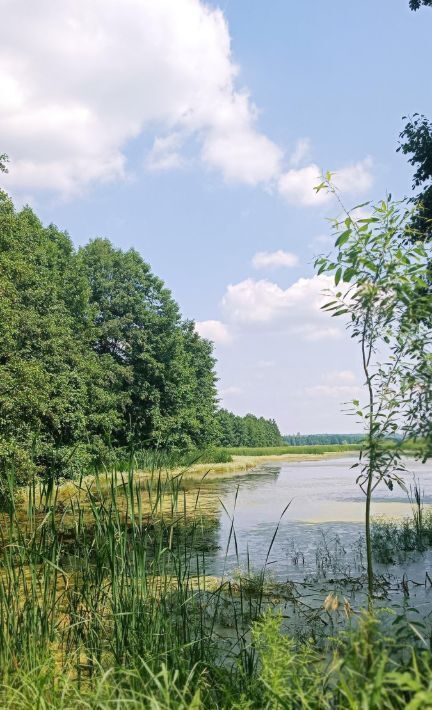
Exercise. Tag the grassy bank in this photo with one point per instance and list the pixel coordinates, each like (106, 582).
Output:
(220, 460)
(285, 450)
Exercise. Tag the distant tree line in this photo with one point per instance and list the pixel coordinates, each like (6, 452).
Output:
(234, 430)
(310, 439)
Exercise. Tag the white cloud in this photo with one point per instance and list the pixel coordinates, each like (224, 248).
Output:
(355, 179)
(165, 154)
(242, 155)
(296, 309)
(338, 383)
(214, 330)
(264, 301)
(301, 152)
(79, 80)
(339, 391)
(233, 389)
(297, 186)
(274, 259)
(340, 376)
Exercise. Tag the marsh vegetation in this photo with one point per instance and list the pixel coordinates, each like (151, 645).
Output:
(106, 600)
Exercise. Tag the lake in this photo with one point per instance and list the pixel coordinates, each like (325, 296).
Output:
(320, 536)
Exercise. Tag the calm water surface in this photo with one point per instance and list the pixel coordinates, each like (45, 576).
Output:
(323, 523)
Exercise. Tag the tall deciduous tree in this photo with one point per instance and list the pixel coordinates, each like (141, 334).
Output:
(47, 368)
(94, 354)
(165, 369)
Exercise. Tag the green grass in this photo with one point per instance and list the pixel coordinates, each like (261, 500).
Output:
(105, 603)
(281, 450)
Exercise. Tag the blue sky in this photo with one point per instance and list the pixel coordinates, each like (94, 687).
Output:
(194, 133)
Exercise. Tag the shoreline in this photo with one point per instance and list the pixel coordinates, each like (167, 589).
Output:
(243, 464)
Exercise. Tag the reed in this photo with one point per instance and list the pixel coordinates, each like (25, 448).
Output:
(105, 602)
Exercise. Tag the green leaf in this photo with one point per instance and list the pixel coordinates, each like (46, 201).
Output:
(343, 238)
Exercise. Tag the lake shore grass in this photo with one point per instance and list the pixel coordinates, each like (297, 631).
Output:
(105, 602)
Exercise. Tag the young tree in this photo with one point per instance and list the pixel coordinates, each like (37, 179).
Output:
(379, 277)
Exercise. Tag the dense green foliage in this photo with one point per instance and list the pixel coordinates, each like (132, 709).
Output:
(93, 355)
(96, 361)
(233, 430)
(416, 142)
(417, 4)
(311, 439)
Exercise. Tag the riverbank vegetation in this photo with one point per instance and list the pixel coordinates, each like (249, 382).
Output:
(105, 602)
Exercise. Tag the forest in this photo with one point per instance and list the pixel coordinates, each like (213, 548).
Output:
(318, 439)
(95, 358)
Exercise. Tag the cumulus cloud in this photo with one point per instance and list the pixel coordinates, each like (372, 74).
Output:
(79, 80)
(165, 154)
(214, 330)
(355, 179)
(232, 389)
(339, 384)
(339, 391)
(274, 259)
(301, 152)
(252, 301)
(297, 186)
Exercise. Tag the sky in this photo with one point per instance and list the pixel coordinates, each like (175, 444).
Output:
(194, 132)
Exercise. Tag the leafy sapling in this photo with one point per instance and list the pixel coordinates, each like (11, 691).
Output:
(379, 274)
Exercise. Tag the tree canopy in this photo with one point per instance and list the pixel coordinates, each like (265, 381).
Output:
(416, 4)
(234, 430)
(416, 142)
(95, 357)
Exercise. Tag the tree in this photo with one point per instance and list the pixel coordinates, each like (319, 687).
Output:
(416, 4)
(94, 355)
(4, 159)
(379, 277)
(164, 370)
(233, 430)
(416, 141)
(50, 380)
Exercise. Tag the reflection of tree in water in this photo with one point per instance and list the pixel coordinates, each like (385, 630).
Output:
(251, 480)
